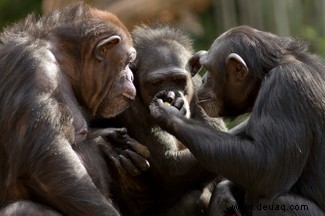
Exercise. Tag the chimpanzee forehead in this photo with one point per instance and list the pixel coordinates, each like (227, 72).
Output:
(164, 56)
(216, 54)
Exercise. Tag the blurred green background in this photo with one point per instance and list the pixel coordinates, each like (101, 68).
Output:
(203, 19)
(12, 10)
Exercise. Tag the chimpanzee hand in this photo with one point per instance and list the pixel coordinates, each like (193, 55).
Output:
(227, 199)
(127, 155)
(164, 105)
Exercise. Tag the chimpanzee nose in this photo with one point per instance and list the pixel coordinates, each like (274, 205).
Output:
(129, 77)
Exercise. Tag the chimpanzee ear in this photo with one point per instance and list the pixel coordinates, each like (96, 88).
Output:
(103, 46)
(194, 65)
(236, 65)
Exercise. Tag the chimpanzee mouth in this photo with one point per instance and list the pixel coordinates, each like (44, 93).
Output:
(110, 108)
(204, 100)
(128, 97)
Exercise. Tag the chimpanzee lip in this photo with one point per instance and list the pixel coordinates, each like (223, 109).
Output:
(128, 97)
(205, 99)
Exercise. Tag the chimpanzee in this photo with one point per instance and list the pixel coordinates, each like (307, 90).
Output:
(173, 185)
(279, 157)
(56, 73)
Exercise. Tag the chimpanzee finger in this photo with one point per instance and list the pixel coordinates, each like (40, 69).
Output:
(160, 103)
(138, 160)
(118, 165)
(118, 135)
(139, 148)
(109, 132)
(179, 103)
(129, 166)
(160, 95)
(116, 131)
(153, 107)
(170, 97)
(183, 111)
(121, 131)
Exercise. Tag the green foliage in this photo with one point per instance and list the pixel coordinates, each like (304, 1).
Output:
(233, 122)
(207, 19)
(13, 10)
(316, 40)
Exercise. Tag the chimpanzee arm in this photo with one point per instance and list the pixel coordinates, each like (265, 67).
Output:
(177, 164)
(166, 160)
(40, 153)
(261, 161)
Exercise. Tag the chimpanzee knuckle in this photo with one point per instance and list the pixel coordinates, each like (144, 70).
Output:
(152, 109)
(131, 142)
(170, 97)
(138, 160)
(121, 131)
(139, 148)
(129, 166)
(118, 166)
(179, 103)
(161, 94)
(106, 150)
(160, 104)
(111, 132)
(115, 161)
(119, 138)
(183, 111)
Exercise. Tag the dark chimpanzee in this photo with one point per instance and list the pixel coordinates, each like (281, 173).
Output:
(279, 158)
(173, 185)
(56, 72)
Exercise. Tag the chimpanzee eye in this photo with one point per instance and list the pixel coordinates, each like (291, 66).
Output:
(180, 81)
(156, 82)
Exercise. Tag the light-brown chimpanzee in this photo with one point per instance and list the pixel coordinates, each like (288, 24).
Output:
(56, 73)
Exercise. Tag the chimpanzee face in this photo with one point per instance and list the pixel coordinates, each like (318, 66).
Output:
(228, 83)
(163, 68)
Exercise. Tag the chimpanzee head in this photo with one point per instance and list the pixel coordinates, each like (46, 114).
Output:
(236, 64)
(95, 54)
(162, 55)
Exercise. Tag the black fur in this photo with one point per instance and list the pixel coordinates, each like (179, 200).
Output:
(280, 155)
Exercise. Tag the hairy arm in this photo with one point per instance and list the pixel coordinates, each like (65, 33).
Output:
(261, 159)
(168, 163)
(52, 170)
